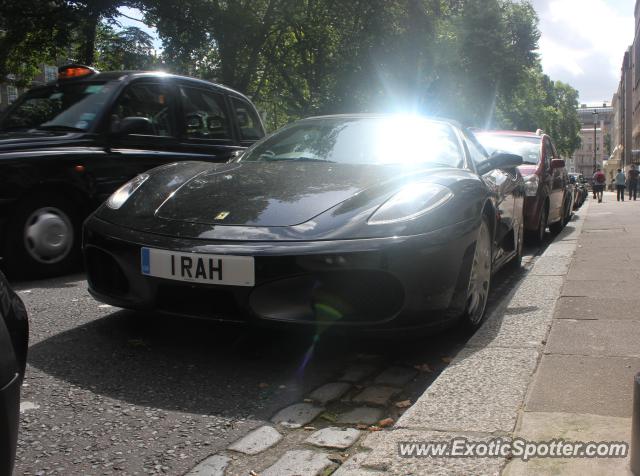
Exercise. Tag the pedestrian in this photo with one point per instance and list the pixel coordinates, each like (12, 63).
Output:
(620, 180)
(599, 180)
(632, 181)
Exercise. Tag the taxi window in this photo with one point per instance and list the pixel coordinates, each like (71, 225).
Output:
(205, 114)
(148, 100)
(248, 121)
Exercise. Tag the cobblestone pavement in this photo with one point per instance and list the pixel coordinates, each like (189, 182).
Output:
(114, 392)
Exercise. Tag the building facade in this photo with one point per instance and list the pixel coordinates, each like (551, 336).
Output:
(596, 138)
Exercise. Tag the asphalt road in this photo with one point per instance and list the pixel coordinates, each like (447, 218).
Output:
(109, 391)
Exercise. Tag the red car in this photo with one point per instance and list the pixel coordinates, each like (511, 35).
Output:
(548, 199)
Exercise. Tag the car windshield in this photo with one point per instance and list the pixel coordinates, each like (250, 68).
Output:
(72, 106)
(527, 147)
(374, 140)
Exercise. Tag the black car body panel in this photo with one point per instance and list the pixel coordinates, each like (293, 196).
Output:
(306, 225)
(13, 354)
(85, 166)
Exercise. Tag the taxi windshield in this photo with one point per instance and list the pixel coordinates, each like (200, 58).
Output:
(63, 107)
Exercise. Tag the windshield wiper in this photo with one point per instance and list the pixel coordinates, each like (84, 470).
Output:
(55, 127)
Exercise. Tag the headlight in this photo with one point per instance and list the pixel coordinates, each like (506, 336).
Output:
(117, 199)
(531, 184)
(411, 202)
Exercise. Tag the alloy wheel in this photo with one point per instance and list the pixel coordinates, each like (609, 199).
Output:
(480, 276)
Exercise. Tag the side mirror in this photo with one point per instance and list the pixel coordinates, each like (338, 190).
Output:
(133, 125)
(557, 163)
(499, 160)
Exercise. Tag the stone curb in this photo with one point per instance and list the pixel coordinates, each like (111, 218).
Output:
(481, 393)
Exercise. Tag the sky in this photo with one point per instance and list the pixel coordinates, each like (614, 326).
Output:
(582, 43)
(134, 13)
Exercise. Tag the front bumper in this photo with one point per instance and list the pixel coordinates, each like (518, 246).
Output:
(414, 281)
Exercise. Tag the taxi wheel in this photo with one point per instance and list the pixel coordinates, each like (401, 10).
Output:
(43, 238)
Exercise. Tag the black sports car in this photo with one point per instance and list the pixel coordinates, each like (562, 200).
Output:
(370, 220)
(14, 335)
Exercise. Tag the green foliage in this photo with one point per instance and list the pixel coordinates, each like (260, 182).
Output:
(540, 103)
(470, 60)
(130, 48)
(31, 31)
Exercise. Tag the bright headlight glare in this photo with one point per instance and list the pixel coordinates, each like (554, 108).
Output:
(411, 202)
(117, 199)
(531, 184)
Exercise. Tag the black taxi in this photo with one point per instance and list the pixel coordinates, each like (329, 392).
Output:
(66, 146)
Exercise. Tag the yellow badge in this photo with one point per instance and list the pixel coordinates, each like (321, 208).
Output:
(222, 215)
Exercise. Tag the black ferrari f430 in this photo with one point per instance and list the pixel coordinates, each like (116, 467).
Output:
(378, 221)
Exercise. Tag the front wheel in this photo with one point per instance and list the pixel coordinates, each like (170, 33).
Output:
(558, 226)
(43, 238)
(479, 279)
(538, 234)
(516, 261)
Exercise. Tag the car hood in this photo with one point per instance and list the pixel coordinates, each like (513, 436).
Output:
(267, 194)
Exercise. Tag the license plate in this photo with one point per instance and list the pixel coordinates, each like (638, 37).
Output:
(198, 267)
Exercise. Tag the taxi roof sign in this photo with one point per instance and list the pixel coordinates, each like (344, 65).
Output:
(75, 71)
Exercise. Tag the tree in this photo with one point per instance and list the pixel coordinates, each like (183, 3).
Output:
(32, 31)
(130, 48)
(89, 15)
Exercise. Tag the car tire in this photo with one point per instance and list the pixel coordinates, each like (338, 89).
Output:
(538, 234)
(558, 226)
(43, 238)
(516, 261)
(479, 280)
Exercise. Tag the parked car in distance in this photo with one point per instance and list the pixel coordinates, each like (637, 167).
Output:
(372, 221)
(581, 189)
(549, 200)
(14, 335)
(66, 146)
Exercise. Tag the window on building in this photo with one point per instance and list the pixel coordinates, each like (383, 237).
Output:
(12, 93)
(50, 73)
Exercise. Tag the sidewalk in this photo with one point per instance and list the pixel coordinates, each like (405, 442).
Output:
(555, 362)
(582, 388)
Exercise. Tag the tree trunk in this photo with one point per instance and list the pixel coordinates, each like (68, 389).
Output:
(87, 52)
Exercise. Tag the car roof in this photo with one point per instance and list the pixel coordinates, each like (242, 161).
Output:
(512, 133)
(132, 74)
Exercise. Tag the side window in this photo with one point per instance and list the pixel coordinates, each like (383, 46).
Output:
(205, 114)
(248, 121)
(148, 100)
